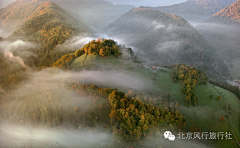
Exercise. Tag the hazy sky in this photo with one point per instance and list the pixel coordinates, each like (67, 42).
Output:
(4, 3)
(153, 3)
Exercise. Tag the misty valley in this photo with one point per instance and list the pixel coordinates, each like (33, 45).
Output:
(120, 74)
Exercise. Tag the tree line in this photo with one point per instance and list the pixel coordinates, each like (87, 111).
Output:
(190, 76)
(233, 89)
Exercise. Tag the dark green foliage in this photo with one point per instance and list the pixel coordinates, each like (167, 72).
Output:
(190, 77)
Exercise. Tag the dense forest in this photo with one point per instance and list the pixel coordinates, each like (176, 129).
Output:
(190, 76)
(134, 116)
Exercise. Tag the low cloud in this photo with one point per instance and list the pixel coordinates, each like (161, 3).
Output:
(157, 25)
(77, 42)
(46, 90)
(22, 49)
(168, 46)
(62, 136)
(16, 45)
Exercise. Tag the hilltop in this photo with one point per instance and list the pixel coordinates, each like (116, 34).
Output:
(164, 37)
(94, 51)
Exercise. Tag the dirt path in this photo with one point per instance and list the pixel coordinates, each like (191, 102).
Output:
(227, 114)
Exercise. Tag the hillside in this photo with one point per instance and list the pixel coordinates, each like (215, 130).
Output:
(47, 17)
(16, 13)
(230, 14)
(196, 9)
(95, 13)
(49, 25)
(162, 81)
(164, 37)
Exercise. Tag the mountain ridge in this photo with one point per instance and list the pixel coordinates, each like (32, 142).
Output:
(196, 10)
(229, 14)
(198, 6)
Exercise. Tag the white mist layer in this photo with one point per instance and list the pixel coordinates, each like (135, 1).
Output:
(16, 58)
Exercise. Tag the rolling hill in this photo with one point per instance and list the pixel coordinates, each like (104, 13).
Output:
(164, 37)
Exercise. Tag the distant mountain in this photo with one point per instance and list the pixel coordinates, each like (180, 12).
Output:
(222, 31)
(196, 8)
(166, 38)
(95, 13)
(230, 14)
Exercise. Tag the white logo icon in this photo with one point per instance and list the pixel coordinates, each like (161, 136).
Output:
(168, 135)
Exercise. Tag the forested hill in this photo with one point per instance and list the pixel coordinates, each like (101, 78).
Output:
(50, 25)
(94, 13)
(16, 13)
(167, 38)
(230, 14)
(100, 47)
(49, 16)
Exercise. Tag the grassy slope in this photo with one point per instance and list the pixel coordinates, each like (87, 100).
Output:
(206, 115)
